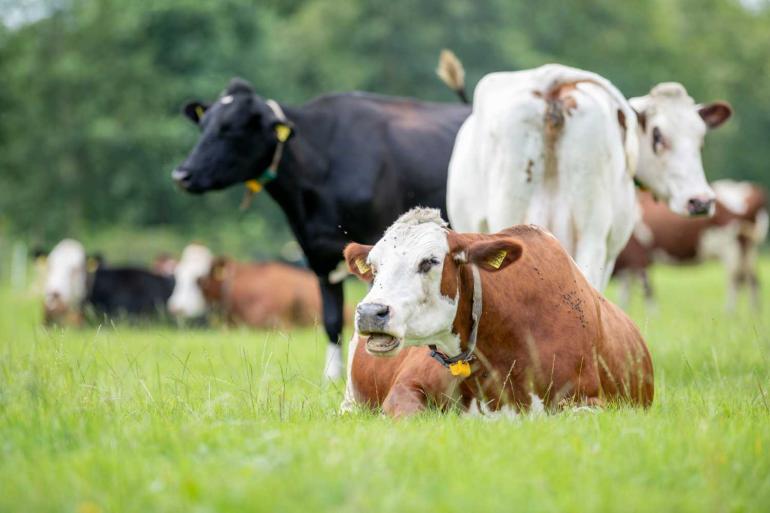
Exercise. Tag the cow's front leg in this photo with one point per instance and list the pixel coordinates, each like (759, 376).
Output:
(404, 400)
(349, 401)
(332, 297)
(591, 258)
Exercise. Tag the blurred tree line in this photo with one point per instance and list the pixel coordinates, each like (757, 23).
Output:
(90, 90)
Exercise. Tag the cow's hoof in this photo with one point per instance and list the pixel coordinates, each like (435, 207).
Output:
(333, 367)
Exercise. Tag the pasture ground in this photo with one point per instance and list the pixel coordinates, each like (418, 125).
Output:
(155, 420)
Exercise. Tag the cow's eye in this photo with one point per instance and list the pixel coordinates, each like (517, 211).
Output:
(427, 264)
(657, 140)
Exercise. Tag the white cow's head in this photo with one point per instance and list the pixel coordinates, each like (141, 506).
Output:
(187, 300)
(65, 283)
(414, 274)
(671, 132)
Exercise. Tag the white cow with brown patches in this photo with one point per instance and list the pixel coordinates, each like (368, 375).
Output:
(560, 147)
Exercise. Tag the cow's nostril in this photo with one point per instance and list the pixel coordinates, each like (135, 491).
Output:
(383, 312)
(699, 206)
(180, 176)
(372, 317)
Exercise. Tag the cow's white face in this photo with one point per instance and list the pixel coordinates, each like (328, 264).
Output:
(671, 133)
(187, 300)
(65, 284)
(406, 306)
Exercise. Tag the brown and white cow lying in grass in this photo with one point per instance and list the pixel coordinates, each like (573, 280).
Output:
(541, 332)
(732, 235)
(260, 295)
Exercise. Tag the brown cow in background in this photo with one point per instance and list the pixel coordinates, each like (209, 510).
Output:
(733, 235)
(261, 295)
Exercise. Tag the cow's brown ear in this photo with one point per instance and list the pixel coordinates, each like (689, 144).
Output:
(496, 254)
(195, 111)
(218, 267)
(715, 113)
(355, 256)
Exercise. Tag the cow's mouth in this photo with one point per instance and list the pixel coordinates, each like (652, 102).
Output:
(382, 344)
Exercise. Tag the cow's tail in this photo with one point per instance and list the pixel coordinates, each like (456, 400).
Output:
(450, 70)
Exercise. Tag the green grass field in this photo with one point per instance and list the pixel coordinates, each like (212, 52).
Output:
(153, 420)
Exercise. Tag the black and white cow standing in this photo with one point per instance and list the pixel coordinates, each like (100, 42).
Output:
(72, 289)
(342, 167)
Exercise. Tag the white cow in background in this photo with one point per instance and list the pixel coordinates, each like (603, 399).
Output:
(65, 281)
(187, 300)
(560, 147)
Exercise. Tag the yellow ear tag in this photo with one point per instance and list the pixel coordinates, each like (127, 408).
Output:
(199, 111)
(497, 260)
(91, 265)
(253, 185)
(282, 132)
(461, 368)
(362, 267)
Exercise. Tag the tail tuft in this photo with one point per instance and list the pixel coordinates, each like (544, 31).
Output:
(450, 70)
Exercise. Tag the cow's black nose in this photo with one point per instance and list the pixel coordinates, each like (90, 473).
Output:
(372, 317)
(181, 177)
(699, 206)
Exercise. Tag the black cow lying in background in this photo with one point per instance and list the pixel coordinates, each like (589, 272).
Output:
(342, 167)
(73, 291)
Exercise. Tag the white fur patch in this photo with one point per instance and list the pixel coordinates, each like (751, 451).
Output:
(733, 195)
(187, 299)
(226, 99)
(339, 273)
(65, 282)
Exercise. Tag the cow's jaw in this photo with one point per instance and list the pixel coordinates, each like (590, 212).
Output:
(417, 312)
(382, 344)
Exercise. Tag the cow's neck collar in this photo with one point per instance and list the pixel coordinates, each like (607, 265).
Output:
(282, 133)
(459, 365)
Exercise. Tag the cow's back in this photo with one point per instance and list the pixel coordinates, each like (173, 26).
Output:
(129, 291)
(386, 155)
(272, 295)
(539, 142)
(543, 315)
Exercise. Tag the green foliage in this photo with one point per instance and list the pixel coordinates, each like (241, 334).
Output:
(121, 419)
(91, 91)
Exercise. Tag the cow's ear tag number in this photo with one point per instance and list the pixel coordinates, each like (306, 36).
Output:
(362, 267)
(199, 111)
(496, 261)
(282, 132)
(461, 368)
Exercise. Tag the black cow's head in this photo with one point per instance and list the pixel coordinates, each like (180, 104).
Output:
(237, 142)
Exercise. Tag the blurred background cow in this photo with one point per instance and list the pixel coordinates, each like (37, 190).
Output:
(260, 295)
(733, 236)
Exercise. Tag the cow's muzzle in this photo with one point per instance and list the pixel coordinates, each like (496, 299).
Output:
(182, 177)
(700, 206)
(372, 320)
(372, 317)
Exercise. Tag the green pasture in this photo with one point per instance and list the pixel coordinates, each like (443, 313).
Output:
(156, 420)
